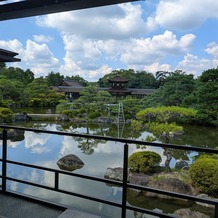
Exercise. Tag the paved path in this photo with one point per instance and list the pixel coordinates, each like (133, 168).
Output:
(15, 207)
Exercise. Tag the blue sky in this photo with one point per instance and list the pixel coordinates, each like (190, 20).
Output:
(147, 35)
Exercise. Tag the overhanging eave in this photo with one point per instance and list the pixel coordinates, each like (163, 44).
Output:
(35, 7)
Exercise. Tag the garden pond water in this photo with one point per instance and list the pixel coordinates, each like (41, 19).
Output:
(98, 155)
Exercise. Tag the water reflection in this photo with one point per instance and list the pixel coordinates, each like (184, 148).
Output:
(98, 155)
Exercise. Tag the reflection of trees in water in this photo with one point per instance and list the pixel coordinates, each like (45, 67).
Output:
(87, 146)
(199, 136)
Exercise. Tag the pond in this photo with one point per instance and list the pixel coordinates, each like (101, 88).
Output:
(45, 150)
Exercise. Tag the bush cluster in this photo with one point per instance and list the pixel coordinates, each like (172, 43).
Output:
(6, 115)
(204, 174)
(94, 114)
(144, 161)
(70, 113)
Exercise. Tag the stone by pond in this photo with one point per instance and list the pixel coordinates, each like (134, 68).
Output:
(173, 182)
(14, 135)
(70, 163)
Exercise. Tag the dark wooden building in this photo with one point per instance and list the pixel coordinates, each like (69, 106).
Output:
(70, 88)
(118, 88)
(8, 56)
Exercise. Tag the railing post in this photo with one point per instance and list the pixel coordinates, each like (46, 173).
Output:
(4, 159)
(125, 179)
(216, 211)
(56, 180)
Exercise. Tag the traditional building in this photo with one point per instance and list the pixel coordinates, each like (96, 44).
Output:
(70, 88)
(8, 56)
(118, 88)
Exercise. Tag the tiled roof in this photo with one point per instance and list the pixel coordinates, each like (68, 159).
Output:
(70, 83)
(8, 56)
(118, 79)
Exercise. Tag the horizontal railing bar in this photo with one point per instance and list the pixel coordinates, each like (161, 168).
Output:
(56, 188)
(65, 192)
(146, 211)
(133, 186)
(178, 195)
(66, 173)
(173, 194)
(106, 138)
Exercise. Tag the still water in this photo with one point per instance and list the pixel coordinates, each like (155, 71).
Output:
(45, 150)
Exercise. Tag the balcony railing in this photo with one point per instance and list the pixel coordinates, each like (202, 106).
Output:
(124, 206)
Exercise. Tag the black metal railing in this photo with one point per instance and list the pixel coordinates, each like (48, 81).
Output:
(124, 184)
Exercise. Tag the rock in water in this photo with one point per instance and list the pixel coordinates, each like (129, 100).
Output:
(187, 213)
(70, 162)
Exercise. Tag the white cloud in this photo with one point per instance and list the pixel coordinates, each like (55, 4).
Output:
(12, 45)
(192, 64)
(153, 68)
(112, 22)
(42, 38)
(212, 49)
(39, 58)
(35, 142)
(150, 50)
(184, 14)
(81, 58)
(98, 40)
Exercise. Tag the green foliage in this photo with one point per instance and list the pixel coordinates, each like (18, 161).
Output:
(53, 79)
(94, 114)
(144, 161)
(17, 74)
(150, 138)
(70, 113)
(79, 79)
(164, 128)
(63, 105)
(130, 106)
(6, 114)
(137, 125)
(204, 174)
(165, 114)
(206, 97)
(137, 79)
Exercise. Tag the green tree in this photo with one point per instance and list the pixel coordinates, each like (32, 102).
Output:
(18, 74)
(79, 79)
(161, 122)
(137, 79)
(161, 77)
(53, 79)
(6, 115)
(87, 98)
(174, 91)
(9, 90)
(130, 107)
(37, 93)
(205, 98)
(102, 99)
(204, 174)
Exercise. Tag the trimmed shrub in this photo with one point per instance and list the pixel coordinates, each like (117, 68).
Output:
(204, 174)
(6, 115)
(144, 161)
(94, 114)
(70, 113)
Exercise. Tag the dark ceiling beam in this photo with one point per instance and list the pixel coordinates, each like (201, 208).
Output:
(30, 8)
